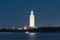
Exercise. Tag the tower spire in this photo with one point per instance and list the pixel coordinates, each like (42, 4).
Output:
(32, 12)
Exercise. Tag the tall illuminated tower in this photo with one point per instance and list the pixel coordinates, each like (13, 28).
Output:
(32, 20)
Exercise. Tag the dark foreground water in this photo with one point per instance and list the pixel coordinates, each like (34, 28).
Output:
(29, 36)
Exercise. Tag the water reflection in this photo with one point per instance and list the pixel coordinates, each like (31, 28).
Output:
(31, 36)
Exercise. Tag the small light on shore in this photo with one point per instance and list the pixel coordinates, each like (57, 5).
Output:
(19, 28)
(25, 27)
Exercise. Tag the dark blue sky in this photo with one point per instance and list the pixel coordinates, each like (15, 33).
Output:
(15, 13)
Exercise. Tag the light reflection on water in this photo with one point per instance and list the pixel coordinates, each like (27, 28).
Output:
(31, 36)
(43, 36)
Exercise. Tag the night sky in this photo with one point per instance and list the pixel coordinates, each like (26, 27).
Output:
(15, 13)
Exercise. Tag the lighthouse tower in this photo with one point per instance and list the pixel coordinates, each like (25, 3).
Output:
(32, 20)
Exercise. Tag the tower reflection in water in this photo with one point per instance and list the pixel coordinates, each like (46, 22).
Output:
(31, 36)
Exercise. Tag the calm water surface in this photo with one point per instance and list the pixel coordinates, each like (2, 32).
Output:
(29, 36)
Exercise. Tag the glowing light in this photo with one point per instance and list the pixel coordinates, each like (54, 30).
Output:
(32, 21)
(13, 28)
(19, 28)
(25, 27)
(26, 32)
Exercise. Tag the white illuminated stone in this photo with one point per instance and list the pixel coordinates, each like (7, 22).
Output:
(32, 21)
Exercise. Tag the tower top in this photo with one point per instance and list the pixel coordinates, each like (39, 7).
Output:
(32, 12)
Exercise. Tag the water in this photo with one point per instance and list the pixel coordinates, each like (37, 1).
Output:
(29, 36)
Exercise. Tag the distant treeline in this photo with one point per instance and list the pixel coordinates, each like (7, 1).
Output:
(39, 29)
(49, 29)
